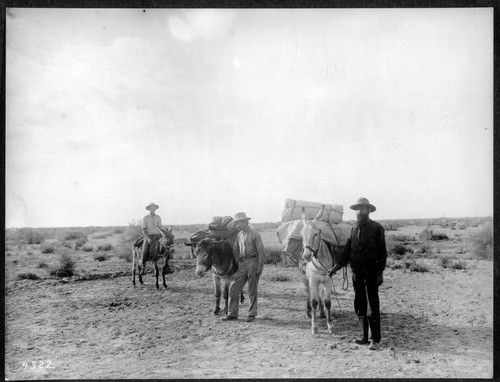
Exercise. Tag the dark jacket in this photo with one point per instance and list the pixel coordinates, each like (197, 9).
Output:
(365, 248)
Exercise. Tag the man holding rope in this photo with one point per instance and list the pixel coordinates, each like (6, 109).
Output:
(367, 252)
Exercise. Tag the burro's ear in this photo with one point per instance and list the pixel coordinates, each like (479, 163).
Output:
(320, 213)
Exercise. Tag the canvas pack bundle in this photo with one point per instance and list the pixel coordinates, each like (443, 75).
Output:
(293, 210)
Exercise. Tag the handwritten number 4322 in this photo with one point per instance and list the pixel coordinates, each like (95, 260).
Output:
(37, 364)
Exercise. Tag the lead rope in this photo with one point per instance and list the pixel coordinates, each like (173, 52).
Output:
(340, 310)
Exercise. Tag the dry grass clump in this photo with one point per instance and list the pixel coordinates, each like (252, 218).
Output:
(74, 235)
(66, 267)
(27, 236)
(42, 264)
(87, 248)
(101, 257)
(273, 256)
(105, 247)
(461, 265)
(27, 276)
(482, 242)
(413, 266)
(125, 253)
(48, 248)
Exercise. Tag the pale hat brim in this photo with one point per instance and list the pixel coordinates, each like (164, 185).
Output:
(358, 206)
(152, 205)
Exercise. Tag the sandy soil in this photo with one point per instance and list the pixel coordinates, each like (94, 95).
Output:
(435, 324)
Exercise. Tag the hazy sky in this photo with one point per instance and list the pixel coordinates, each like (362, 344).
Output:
(213, 112)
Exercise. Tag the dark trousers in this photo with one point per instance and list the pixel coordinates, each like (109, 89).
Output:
(366, 294)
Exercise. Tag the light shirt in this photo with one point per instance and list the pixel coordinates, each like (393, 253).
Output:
(249, 245)
(151, 224)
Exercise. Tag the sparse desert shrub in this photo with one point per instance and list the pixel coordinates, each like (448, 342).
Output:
(132, 232)
(404, 238)
(118, 230)
(31, 236)
(101, 257)
(42, 264)
(459, 265)
(75, 235)
(48, 248)
(426, 234)
(413, 266)
(79, 243)
(29, 253)
(27, 276)
(279, 277)
(101, 236)
(87, 248)
(444, 262)
(66, 267)
(426, 248)
(439, 236)
(400, 249)
(273, 256)
(104, 247)
(482, 242)
(125, 254)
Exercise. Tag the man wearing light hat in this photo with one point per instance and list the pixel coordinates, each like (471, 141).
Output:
(367, 252)
(248, 251)
(151, 227)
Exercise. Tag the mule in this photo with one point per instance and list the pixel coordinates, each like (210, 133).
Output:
(159, 253)
(216, 255)
(319, 257)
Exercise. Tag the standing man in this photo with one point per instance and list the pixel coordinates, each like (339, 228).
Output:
(151, 227)
(248, 251)
(367, 252)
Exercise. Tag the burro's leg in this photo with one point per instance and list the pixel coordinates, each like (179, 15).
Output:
(217, 289)
(305, 280)
(327, 284)
(157, 275)
(314, 288)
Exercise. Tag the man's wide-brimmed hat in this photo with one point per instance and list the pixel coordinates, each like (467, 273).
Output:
(361, 203)
(152, 206)
(240, 216)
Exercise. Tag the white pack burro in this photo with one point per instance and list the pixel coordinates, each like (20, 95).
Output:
(333, 230)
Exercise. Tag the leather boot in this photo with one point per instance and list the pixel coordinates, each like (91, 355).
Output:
(363, 324)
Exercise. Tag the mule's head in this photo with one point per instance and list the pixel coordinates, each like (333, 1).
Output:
(311, 235)
(204, 256)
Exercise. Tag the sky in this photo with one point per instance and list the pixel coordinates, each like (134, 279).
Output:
(210, 112)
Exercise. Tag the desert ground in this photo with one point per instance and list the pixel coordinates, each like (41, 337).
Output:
(436, 304)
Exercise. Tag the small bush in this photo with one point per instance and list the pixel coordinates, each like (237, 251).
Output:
(31, 236)
(459, 265)
(273, 256)
(444, 262)
(125, 254)
(48, 248)
(100, 257)
(79, 243)
(415, 267)
(482, 242)
(27, 276)
(75, 235)
(66, 267)
(439, 236)
(104, 247)
(400, 249)
(87, 248)
(42, 264)
(426, 248)
(29, 253)
(426, 234)
(279, 277)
